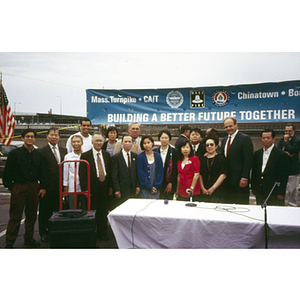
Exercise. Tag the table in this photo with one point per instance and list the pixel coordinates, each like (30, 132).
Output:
(148, 223)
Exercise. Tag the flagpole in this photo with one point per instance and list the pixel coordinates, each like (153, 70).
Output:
(2, 125)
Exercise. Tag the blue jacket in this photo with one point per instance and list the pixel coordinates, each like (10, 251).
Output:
(143, 170)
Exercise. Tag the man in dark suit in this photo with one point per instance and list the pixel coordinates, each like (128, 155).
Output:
(169, 156)
(184, 136)
(53, 155)
(290, 144)
(124, 172)
(195, 138)
(100, 181)
(238, 150)
(270, 165)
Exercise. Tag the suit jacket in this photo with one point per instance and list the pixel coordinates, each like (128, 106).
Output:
(180, 139)
(121, 179)
(201, 150)
(88, 156)
(239, 158)
(173, 177)
(276, 170)
(293, 147)
(52, 167)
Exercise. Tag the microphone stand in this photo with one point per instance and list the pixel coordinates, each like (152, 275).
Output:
(264, 205)
(190, 204)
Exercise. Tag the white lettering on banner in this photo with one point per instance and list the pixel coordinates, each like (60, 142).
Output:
(154, 118)
(153, 99)
(177, 117)
(215, 116)
(292, 93)
(256, 115)
(259, 95)
(279, 114)
(123, 100)
(127, 118)
(95, 99)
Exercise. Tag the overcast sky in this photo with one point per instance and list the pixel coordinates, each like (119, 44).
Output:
(39, 81)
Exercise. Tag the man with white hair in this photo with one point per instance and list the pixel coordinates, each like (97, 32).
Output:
(134, 131)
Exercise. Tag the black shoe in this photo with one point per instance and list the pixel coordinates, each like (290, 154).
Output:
(9, 246)
(44, 238)
(103, 237)
(32, 243)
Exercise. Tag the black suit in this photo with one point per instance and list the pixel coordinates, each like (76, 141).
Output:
(173, 177)
(293, 147)
(122, 180)
(239, 162)
(276, 170)
(99, 190)
(200, 151)
(181, 138)
(50, 202)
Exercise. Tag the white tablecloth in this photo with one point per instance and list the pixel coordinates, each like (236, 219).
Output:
(147, 223)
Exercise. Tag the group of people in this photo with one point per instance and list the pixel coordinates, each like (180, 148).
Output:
(132, 166)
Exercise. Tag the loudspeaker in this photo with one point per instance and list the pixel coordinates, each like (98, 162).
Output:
(70, 231)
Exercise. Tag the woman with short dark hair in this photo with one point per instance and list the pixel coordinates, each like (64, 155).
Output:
(169, 158)
(188, 167)
(213, 171)
(150, 169)
(109, 145)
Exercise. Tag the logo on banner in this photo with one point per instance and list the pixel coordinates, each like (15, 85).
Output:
(220, 98)
(197, 99)
(174, 99)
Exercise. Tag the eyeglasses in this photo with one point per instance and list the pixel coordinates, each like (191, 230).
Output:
(209, 145)
(29, 136)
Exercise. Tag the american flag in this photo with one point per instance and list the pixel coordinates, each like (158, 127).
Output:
(7, 121)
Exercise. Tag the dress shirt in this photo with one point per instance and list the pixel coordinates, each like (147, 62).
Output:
(95, 152)
(266, 155)
(126, 157)
(69, 171)
(56, 151)
(231, 141)
(163, 154)
(135, 141)
(195, 147)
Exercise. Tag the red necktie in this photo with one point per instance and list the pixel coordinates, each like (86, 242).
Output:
(228, 145)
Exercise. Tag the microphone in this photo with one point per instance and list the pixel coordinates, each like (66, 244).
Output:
(265, 202)
(190, 204)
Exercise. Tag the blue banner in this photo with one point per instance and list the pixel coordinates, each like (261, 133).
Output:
(265, 102)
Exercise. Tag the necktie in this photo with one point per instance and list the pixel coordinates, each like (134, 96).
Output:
(55, 155)
(128, 159)
(135, 147)
(194, 149)
(100, 168)
(228, 145)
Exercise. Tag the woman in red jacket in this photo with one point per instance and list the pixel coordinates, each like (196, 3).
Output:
(188, 172)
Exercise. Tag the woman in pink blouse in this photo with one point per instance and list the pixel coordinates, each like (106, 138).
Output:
(188, 172)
